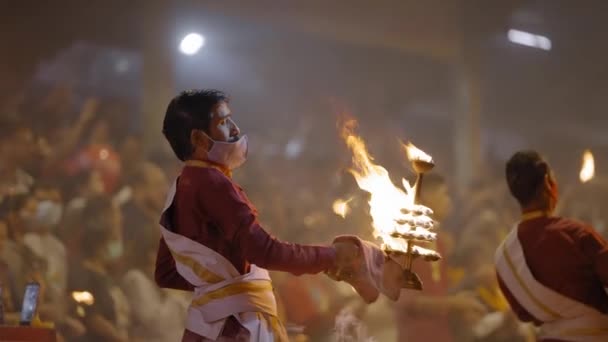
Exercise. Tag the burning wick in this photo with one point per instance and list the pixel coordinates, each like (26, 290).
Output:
(588, 167)
(341, 207)
(83, 297)
(416, 154)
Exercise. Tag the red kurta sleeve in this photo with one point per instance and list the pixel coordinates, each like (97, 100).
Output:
(230, 210)
(166, 274)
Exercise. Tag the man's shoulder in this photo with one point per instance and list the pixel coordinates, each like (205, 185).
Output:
(33, 241)
(134, 277)
(563, 231)
(569, 226)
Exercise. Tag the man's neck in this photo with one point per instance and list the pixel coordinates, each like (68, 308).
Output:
(206, 163)
(534, 211)
(536, 206)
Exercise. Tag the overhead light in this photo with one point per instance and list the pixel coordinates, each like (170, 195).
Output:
(529, 39)
(191, 43)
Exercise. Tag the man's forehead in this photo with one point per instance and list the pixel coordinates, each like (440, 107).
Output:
(222, 111)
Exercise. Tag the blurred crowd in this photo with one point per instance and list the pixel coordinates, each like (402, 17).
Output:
(79, 204)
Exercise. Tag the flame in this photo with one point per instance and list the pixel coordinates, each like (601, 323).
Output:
(83, 297)
(588, 167)
(414, 153)
(341, 207)
(388, 202)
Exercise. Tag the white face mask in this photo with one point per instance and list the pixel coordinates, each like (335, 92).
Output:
(229, 154)
(48, 213)
(114, 250)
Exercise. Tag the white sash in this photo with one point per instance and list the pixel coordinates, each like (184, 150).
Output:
(220, 291)
(563, 318)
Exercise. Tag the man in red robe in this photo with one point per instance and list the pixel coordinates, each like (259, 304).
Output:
(209, 211)
(552, 270)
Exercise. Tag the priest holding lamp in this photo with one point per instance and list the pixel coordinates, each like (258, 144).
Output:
(213, 244)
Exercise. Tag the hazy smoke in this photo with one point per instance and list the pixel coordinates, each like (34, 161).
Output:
(348, 328)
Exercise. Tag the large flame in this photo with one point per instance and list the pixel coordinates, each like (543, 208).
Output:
(341, 207)
(388, 202)
(588, 167)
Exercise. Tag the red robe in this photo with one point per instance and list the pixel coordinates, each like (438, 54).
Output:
(211, 209)
(566, 256)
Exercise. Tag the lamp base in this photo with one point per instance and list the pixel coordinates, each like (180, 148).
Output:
(412, 281)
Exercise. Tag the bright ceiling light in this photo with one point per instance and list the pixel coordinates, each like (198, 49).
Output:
(529, 39)
(191, 44)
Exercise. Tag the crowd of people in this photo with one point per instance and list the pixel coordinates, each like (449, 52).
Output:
(79, 207)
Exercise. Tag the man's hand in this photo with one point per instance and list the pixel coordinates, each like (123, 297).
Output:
(348, 261)
(73, 327)
(89, 110)
(467, 306)
(358, 263)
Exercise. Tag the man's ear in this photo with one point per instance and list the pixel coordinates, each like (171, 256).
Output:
(549, 181)
(199, 139)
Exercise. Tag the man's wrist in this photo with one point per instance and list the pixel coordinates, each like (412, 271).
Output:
(332, 258)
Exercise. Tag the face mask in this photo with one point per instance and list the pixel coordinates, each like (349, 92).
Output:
(48, 213)
(229, 154)
(114, 249)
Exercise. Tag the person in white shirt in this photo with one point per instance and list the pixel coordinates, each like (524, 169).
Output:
(157, 314)
(41, 240)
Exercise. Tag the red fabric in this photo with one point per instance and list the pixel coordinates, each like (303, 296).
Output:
(211, 209)
(15, 334)
(423, 329)
(304, 299)
(568, 257)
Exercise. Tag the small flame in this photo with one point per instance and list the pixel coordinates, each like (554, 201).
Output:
(341, 207)
(588, 167)
(388, 202)
(83, 297)
(414, 153)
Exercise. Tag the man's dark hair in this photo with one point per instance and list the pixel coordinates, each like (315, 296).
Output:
(95, 228)
(97, 208)
(189, 110)
(147, 243)
(525, 172)
(10, 126)
(95, 236)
